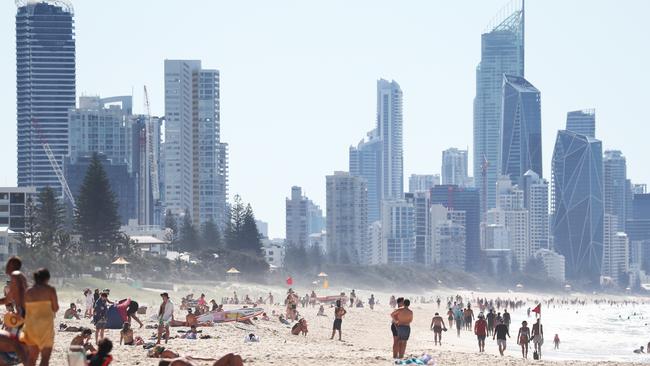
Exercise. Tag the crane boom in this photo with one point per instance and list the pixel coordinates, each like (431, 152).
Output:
(151, 155)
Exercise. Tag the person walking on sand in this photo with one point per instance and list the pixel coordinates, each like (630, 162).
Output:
(450, 318)
(393, 328)
(100, 313)
(480, 329)
(556, 342)
(403, 318)
(538, 337)
(437, 324)
(490, 321)
(339, 312)
(500, 333)
(165, 316)
(523, 337)
(41, 305)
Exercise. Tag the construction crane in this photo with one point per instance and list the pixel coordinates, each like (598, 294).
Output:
(484, 169)
(55, 165)
(152, 157)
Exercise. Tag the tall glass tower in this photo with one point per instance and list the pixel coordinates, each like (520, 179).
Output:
(582, 122)
(389, 127)
(502, 52)
(521, 129)
(577, 204)
(45, 87)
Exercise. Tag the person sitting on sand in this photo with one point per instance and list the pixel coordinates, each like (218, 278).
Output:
(191, 334)
(83, 340)
(126, 335)
(103, 355)
(638, 351)
(300, 327)
(71, 312)
(321, 311)
(265, 317)
(227, 360)
(283, 320)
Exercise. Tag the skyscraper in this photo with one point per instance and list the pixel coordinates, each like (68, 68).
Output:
(577, 203)
(45, 87)
(615, 250)
(514, 217)
(536, 202)
(195, 159)
(582, 122)
(615, 186)
(347, 218)
(502, 52)
(423, 182)
(365, 162)
(398, 230)
(389, 127)
(521, 129)
(448, 239)
(454, 167)
(303, 218)
(456, 198)
(421, 203)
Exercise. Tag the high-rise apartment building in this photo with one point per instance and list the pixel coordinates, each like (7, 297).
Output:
(389, 128)
(398, 230)
(454, 167)
(421, 204)
(423, 182)
(303, 218)
(615, 186)
(366, 162)
(521, 129)
(511, 213)
(448, 239)
(347, 218)
(536, 202)
(502, 52)
(615, 250)
(45, 88)
(456, 198)
(195, 159)
(577, 203)
(582, 122)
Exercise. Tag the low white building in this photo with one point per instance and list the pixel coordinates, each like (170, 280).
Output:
(274, 251)
(318, 240)
(151, 239)
(8, 243)
(553, 263)
(151, 245)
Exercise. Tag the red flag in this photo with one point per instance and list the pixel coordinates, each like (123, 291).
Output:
(538, 309)
(289, 281)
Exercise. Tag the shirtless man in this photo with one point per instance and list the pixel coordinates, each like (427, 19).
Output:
(403, 318)
(339, 312)
(538, 337)
(17, 286)
(437, 324)
(393, 328)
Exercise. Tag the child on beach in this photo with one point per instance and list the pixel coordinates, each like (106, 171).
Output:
(126, 334)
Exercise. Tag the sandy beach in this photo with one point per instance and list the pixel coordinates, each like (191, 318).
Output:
(366, 338)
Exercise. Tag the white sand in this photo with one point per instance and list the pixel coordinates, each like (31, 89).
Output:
(366, 339)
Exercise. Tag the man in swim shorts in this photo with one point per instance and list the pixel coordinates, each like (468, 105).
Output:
(500, 333)
(165, 315)
(538, 337)
(480, 329)
(339, 312)
(403, 318)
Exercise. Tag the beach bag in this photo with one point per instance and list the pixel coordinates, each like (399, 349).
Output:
(535, 355)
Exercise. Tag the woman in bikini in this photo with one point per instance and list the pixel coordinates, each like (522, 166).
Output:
(523, 337)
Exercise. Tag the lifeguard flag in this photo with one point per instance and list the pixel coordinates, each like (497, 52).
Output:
(289, 281)
(326, 284)
(538, 309)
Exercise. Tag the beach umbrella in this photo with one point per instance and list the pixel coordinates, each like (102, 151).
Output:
(322, 274)
(233, 270)
(519, 285)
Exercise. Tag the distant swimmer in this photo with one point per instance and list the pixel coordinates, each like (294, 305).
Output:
(640, 350)
(437, 324)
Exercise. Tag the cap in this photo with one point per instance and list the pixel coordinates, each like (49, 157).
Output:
(164, 294)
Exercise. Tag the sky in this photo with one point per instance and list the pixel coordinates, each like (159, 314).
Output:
(298, 77)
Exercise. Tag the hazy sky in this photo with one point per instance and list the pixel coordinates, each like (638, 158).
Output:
(298, 77)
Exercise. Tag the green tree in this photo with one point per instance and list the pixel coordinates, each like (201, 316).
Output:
(29, 237)
(235, 224)
(295, 258)
(170, 222)
(210, 236)
(96, 218)
(250, 237)
(189, 238)
(49, 217)
(315, 257)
